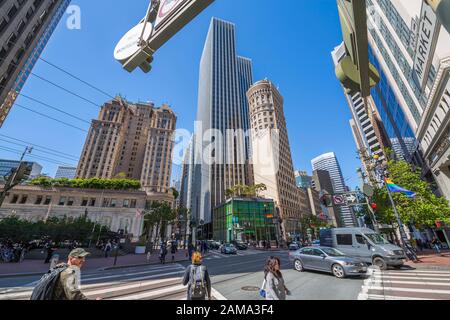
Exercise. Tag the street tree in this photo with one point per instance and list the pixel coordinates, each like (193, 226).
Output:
(422, 210)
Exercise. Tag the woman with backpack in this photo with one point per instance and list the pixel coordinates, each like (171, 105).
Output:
(196, 277)
(273, 285)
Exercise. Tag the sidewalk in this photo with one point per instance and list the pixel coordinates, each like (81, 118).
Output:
(38, 267)
(430, 260)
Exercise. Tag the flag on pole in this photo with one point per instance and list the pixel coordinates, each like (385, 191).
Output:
(393, 188)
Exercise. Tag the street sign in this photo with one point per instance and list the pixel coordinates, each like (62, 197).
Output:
(426, 44)
(339, 200)
(172, 16)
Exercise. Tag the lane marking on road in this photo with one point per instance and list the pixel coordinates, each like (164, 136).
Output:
(216, 294)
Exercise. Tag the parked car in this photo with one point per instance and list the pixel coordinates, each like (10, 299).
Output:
(214, 245)
(239, 245)
(328, 260)
(228, 248)
(365, 244)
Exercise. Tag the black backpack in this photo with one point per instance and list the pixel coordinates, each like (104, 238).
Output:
(198, 288)
(46, 286)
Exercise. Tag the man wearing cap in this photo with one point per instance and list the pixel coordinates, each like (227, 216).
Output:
(68, 285)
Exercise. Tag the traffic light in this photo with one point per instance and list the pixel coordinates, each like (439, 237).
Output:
(354, 71)
(374, 206)
(23, 172)
(326, 200)
(442, 9)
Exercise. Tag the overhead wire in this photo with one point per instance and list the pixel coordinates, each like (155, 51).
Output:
(50, 160)
(39, 150)
(46, 116)
(39, 146)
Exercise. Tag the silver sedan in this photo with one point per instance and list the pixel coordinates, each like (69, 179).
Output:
(328, 260)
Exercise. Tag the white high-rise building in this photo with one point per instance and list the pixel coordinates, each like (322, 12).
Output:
(329, 162)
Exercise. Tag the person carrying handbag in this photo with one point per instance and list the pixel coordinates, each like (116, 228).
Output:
(274, 287)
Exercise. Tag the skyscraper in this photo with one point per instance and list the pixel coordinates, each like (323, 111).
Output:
(302, 179)
(271, 153)
(411, 50)
(25, 29)
(329, 162)
(369, 134)
(134, 140)
(66, 172)
(221, 120)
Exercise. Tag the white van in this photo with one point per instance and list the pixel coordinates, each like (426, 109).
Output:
(365, 244)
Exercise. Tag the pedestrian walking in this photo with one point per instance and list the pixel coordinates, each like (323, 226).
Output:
(274, 286)
(419, 244)
(163, 253)
(196, 277)
(63, 282)
(173, 250)
(50, 250)
(190, 250)
(108, 248)
(436, 245)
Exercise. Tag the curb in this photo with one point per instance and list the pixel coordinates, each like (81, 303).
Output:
(18, 275)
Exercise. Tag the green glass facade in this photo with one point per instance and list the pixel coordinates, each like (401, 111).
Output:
(245, 220)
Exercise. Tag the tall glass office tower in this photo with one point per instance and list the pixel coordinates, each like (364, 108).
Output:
(25, 29)
(221, 149)
(329, 162)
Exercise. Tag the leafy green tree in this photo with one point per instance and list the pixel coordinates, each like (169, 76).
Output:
(423, 210)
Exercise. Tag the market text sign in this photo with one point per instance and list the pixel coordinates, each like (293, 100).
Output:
(426, 44)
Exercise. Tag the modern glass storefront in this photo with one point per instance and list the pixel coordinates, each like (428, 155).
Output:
(245, 220)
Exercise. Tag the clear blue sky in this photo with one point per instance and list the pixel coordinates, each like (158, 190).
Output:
(289, 42)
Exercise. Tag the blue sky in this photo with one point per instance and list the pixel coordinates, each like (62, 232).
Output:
(289, 42)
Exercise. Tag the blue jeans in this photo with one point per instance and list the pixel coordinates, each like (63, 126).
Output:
(436, 246)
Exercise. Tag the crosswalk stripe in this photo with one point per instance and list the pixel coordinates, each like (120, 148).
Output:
(381, 297)
(406, 278)
(147, 295)
(27, 294)
(414, 282)
(418, 272)
(409, 290)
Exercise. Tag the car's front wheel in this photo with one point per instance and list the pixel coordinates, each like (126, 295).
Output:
(380, 263)
(338, 271)
(298, 265)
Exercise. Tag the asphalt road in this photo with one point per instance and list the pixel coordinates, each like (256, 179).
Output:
(231, 275)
